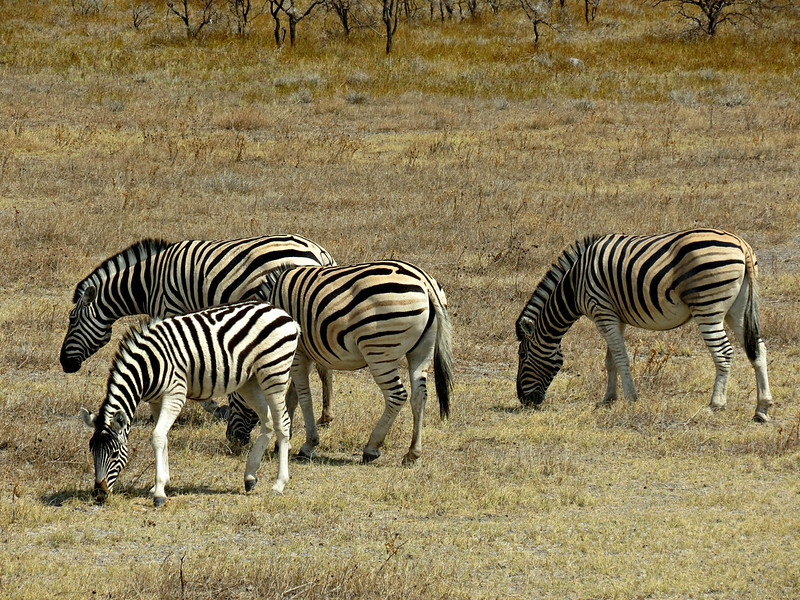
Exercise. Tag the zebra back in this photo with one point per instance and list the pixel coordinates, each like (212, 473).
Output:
(160, 279)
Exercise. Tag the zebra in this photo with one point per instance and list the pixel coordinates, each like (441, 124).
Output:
(655, 282)
(374, 315)
(246, 347)
(162, 279)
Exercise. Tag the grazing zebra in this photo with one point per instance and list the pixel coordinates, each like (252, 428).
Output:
(160, 279)
(374, 315)
(246, 347)
(655, 282)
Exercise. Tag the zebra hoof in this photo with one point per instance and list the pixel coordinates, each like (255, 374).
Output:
(324, 421)
(306, 454)
(159, 501)
(409, 460)
(250, 484)
(761, 417)
(368, 458)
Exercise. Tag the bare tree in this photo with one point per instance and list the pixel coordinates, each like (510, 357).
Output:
(342, 9)
(708, 15)
(390, 16)
(275, 7)
(205, 9)
(295, 16)
(589, 9)
(141, 12)
(538, 13)
(245, 13)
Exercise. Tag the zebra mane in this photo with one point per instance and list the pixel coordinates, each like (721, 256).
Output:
(265, 288)
(548, 283)
(121, 260)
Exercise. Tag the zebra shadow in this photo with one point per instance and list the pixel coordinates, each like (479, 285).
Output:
(519, 409)
(59, 499)
(325, 461)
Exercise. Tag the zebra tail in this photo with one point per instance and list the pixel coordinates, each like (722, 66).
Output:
(752, 326)
(443, 357)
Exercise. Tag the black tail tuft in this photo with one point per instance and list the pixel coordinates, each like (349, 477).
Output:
(752, 326)
(442, 371)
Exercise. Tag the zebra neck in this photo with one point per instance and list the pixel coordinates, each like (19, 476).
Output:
(559, 311)
(129, 291)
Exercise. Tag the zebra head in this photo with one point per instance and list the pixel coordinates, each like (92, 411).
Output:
(109, 447)
(538, 365)
(241, 421)
(89, 330)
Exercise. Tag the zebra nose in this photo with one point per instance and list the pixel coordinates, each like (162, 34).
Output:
(70, 364)
(100, 492)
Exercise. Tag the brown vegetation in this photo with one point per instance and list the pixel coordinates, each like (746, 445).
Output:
(477, 155)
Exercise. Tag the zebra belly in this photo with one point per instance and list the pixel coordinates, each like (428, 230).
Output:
(675, 316)
(212, 387)
(342, 360)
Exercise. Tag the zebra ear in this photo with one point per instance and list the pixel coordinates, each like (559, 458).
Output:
(87, 417)
(524, 328)
(89, 295)
(119, 422)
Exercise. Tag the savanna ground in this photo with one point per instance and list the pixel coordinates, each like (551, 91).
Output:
(479, 157)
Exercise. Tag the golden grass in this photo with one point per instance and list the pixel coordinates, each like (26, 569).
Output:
(478, 156)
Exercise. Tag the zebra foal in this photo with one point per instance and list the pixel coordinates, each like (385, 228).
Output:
(246, 347)
(655, 282)
(373, 315)
(160, 279)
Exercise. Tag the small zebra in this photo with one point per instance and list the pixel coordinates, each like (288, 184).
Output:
(160, 279)
(655, 282)
(246, 347)
(374, 315)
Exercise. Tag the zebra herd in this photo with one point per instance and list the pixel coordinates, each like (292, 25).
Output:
(249, 318)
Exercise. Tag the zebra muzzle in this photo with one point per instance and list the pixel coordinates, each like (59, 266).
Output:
(70, 364)
(100, 492)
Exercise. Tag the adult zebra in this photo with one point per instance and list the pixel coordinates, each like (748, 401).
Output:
(374, 315)
(654, 282)
(246, 347)
(161, 279)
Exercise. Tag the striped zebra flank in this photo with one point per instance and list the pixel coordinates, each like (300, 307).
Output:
(655, 282)
(246, 348)
(161, 279)
(374, 315)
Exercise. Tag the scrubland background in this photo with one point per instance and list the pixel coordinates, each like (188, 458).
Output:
(477, 155)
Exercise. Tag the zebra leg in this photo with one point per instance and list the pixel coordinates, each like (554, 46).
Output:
(266, 398)
(170, 408)
(300, 371)
(611, 386)
(326, 378)
(763, 394)
(388, 379)
(418, 364)
(617, 357)
(715, 337)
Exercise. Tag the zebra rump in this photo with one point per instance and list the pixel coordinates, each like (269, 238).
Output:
(375, 315)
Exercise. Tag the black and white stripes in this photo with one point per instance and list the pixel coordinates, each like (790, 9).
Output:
(159, 279)
(246, 347)
(374, 315)
(654, 282)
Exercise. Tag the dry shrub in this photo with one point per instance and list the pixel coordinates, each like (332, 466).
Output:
(393, 577)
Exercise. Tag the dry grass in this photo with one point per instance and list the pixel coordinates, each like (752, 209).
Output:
(477, 156)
